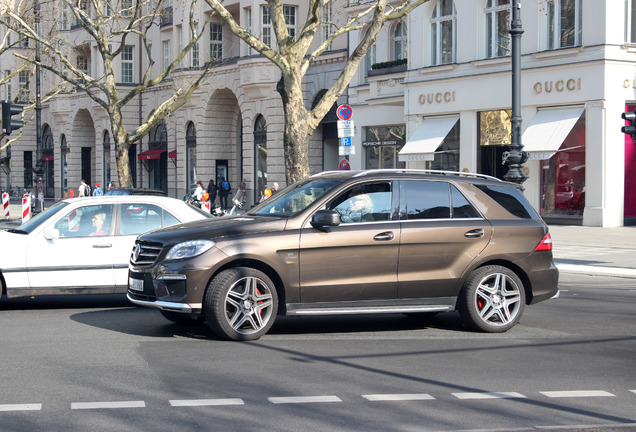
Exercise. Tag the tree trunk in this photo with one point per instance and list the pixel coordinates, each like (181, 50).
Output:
(123, 166)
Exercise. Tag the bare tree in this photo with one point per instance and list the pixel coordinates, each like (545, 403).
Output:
(109, 24)
(294, 55)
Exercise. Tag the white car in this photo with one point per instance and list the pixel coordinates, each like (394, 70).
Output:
(83, 245)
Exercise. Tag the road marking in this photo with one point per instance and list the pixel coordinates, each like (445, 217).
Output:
(107, 405)
(577, 393)
(21, 407)
(633, 391)
(206, 402)
(597, 270)
(397, 397)
(496, 395)
(303, 399)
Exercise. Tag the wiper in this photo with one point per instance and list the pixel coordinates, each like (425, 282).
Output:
(17, 231)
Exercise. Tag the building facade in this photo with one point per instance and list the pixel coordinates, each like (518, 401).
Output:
(231, 128)
(434, 92)
(448, 105)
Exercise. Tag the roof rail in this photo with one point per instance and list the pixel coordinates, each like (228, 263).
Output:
(426, 171)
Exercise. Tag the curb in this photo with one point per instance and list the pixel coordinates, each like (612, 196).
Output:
(596, 270)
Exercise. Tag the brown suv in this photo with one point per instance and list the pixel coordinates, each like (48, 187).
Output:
(347, 242)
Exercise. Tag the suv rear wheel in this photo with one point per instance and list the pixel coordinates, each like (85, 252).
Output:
(241, 304)
(492, 299)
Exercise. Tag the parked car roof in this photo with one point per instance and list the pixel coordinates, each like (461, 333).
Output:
(134, 191)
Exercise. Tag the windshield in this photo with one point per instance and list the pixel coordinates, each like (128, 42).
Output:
(39, 219)
(295, 198)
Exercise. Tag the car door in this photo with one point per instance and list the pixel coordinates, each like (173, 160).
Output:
(356, 260)
(78, 256)
(442, 234)
(134, 219)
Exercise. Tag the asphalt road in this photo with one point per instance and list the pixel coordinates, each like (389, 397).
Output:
(99, 364)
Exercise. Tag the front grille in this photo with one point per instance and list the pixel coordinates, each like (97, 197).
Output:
(145, 253)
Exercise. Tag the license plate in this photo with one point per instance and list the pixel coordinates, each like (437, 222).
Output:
(135, 284)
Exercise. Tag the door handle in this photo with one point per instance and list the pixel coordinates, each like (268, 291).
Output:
(476, 233)
(385, 236)
(102, 246)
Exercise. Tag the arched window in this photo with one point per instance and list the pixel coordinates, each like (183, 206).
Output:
(106, 145)
(497, 28)
(191, 156)
(443, 32)
(260, 156)
(158, 166)
(399, 39)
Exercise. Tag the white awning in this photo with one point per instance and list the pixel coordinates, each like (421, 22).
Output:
(428, 136)
(548, 130)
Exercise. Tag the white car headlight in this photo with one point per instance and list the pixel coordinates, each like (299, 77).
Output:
(189, 249)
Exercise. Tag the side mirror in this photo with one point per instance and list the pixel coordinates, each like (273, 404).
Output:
(325, 218)
(51, 234)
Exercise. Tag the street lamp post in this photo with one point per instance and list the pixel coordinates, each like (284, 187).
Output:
(39, 169)
(516, 156)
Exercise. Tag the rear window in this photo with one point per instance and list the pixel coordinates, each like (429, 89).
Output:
(511, 199)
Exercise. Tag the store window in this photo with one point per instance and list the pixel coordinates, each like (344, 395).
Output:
(563, 176)
(564, 23)
(446, 157)
(497, 28)
(443, 25)
(64, 166)
(495, 131)
(381, 146)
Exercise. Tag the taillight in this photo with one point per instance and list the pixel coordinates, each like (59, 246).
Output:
(545, 244)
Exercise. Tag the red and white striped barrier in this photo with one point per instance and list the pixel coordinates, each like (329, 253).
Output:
(26, 208)
(205, 206)
(5, 204)
(72, 221)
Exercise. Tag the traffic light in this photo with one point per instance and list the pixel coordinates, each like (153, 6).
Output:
(630, 116)
(8, 124)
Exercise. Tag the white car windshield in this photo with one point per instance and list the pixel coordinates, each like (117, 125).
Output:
(40, 218)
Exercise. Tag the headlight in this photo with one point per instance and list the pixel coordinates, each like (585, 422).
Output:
(189, 249)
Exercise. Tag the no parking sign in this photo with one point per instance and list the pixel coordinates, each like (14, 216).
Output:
(344, 165)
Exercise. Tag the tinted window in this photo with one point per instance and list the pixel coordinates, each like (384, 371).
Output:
(421, 199)
(169, 220)
(139, 218)
(511, 199)
(90, 220)
(364, 203)
(461, 206)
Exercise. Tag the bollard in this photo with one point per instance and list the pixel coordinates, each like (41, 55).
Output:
(5, 204)
(26, 207)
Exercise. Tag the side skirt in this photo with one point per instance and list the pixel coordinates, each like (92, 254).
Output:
(438, 304)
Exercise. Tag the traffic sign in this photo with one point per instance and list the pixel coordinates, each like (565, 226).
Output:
(344, 165)
(345, 141)
(344, 112)
(345, 128)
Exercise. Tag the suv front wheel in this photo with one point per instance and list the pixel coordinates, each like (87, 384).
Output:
(492, 299)
(241, 304)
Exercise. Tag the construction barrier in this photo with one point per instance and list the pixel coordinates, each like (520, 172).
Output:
(26, 208)
(205, 206)
(5, 204)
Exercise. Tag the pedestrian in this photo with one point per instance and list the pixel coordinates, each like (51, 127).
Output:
(274, 188)
(224, 191)
(239, 199)
(112, 185)
(198, 192)
(212, 190)
(98, 190)
(84, 189)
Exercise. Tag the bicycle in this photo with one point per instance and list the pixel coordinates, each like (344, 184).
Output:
(17, 194)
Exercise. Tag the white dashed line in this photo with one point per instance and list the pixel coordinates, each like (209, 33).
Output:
(633, 391)
(577, 393)
(21, 407)
(206, 402)
(303, 399)
(397, 397)
(474, 396)
(107, 405)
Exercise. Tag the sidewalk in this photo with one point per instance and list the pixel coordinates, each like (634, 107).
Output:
(576, 249)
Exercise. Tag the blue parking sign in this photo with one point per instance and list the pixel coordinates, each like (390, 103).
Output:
(346, 141)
